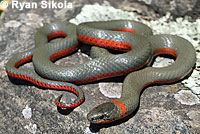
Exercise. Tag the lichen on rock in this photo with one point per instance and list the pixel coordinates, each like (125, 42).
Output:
(186, 97)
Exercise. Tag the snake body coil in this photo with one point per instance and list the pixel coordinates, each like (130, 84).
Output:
(141, 47)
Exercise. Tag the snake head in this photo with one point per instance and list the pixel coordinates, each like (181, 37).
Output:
(104, 113)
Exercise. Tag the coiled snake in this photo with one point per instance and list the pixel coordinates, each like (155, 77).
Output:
(125, 35)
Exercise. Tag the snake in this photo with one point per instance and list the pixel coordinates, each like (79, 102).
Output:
(137, 45)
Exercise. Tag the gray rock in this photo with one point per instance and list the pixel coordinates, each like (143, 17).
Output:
(195, 13)
(175, 7)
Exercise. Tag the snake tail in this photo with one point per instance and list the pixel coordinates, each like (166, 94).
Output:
(43, 36)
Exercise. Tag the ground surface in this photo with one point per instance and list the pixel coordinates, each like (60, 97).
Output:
(27, 109)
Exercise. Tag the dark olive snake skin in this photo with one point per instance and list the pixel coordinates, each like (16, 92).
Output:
(141, 47)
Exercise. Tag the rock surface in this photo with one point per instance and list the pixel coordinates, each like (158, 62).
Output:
(175, 7)
(28, 109)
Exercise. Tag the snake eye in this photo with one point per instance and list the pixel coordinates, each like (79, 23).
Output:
(93, 119)
(101, 117)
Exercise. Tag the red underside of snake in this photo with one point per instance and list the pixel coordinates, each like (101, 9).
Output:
(140, 49)
(100, 42)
